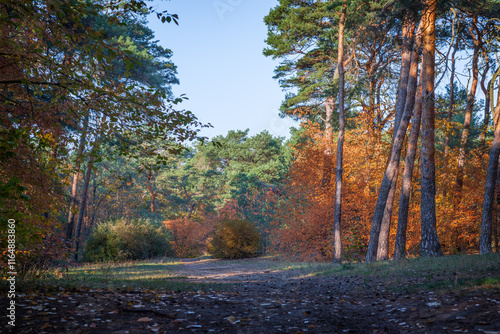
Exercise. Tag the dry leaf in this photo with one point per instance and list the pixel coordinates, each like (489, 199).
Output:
(232, 320)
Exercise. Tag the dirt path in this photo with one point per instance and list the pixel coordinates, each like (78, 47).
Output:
(261, 299)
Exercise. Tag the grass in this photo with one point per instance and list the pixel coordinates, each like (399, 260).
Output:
(412, 275)
(412, 267)
(152, 275)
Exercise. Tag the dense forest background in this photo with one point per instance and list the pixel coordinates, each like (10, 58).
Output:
(96, 154)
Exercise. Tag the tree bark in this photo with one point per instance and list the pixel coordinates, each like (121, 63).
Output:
(468, 112)
(408, 41)
(429, 243)
(385, 187)
(401, 100)
(489, 194)
(486, 120)
(71, 217)
(337, 247)
(495, 226)
(491, 181)
(83, 201)
(190, 210)
(411, 152)
(451, 108)
(378, 245)
(74, 186)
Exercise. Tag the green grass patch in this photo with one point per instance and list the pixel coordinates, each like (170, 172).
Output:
(412, 275)
(153, 275)
(484, 264)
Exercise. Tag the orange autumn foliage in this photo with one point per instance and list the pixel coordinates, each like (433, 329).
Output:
(303, 225)
(459, 212)
(188, 236)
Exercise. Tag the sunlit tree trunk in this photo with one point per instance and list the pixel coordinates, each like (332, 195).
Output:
(70, 226)
(429, 243)
(337, 247)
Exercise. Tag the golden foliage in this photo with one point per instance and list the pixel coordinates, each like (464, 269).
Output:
(303, 226)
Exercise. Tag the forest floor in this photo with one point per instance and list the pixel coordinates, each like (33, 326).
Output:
(459, 294)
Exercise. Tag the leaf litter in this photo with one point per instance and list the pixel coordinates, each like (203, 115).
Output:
(262, 301)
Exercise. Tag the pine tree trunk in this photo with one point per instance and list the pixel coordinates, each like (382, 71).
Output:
(71, 217)
(486, 120)
(491, 181)
(408, 40)
(83, 202)
(74, 186)
(494, 219)
(429, 243)
(404, 201)
(378, 246)
(468, 114)
(489, 194)
(497, 211)
(385, 227)
(190, 210)
(337, 247)
(451, 108)
(411, 152)
(401, 103)
(385, 187)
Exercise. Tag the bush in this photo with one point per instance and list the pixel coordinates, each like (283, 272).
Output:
(234, 239)
(188, 236)
(122, 240)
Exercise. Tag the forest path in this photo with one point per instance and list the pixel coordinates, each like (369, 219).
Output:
(273, 296)
(230, 271)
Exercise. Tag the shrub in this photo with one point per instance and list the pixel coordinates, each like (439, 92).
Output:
(122, 239)
(188, 236)
(234, 239)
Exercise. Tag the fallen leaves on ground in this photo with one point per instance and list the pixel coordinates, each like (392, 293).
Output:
(267, 302)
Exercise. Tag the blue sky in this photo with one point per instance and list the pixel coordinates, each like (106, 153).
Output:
(218, 52)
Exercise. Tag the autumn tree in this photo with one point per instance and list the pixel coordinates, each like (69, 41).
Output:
(56, 76)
